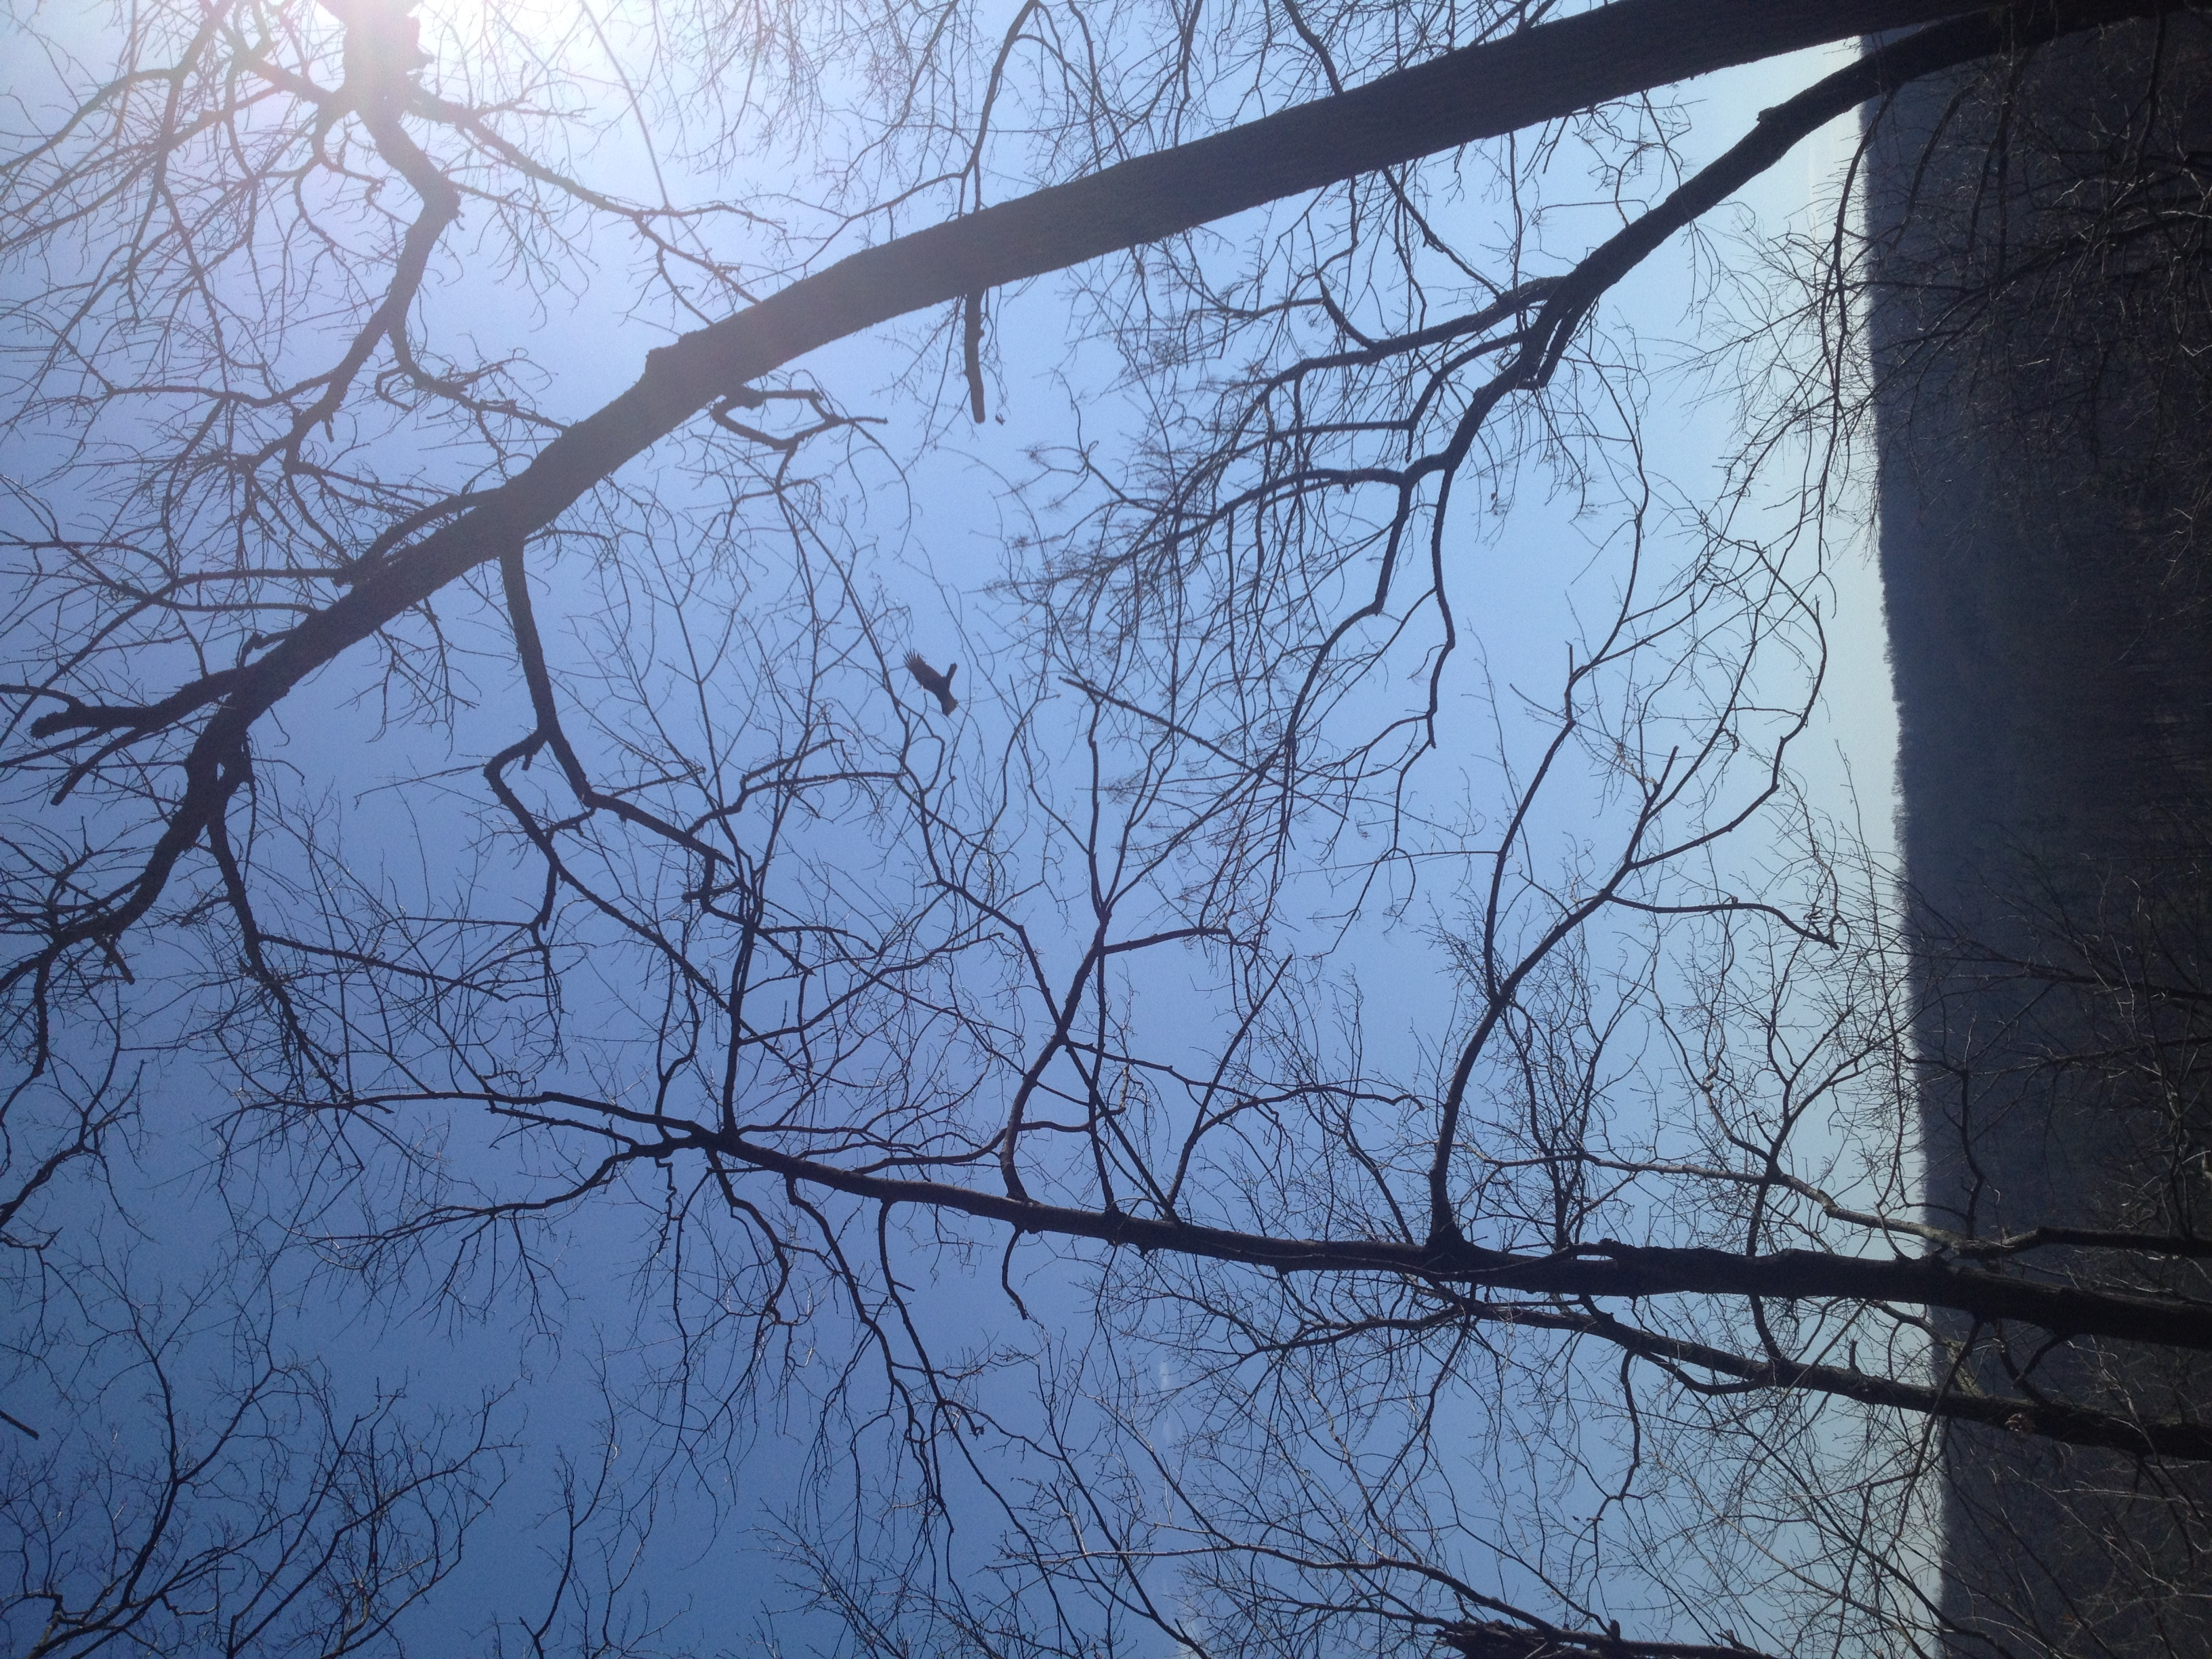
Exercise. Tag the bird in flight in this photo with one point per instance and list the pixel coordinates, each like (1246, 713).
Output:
(932, 681)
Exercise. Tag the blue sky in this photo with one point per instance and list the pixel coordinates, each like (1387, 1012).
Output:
(936, 539)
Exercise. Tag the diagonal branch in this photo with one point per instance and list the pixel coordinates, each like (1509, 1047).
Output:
(1478, 92)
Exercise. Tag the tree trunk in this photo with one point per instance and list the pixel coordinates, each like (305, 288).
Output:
(2042, 335)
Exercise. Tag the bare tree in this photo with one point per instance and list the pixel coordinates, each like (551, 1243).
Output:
(717, 915)
(195, 1491)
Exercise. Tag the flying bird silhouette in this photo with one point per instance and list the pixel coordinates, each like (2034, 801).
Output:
(932, 681)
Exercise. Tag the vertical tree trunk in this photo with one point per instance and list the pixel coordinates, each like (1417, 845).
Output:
(2041, 334)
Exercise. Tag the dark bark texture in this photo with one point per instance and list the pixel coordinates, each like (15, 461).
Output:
(2043, 341)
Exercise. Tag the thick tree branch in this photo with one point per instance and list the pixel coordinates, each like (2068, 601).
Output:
(1602, 1269)
(1606, 1268)
(1483, 91)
